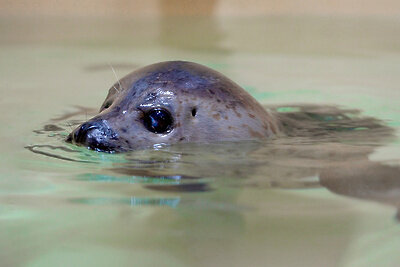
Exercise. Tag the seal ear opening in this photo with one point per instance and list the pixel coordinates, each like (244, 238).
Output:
(194, 111)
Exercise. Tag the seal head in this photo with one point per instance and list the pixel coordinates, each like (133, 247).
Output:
(172, 102)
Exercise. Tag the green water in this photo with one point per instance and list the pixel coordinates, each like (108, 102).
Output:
(238, 207)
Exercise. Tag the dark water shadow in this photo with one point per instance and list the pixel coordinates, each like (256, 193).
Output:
(40, 149)
(372, 181)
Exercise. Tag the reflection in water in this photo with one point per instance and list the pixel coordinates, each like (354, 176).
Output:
(127, 179)
(49, 128)
(184, 188)
(41, 149)
(132, 201)
(192, 195)
(365, 180)
(320, 141)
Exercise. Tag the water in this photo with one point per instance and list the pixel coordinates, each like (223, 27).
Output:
(327, 200)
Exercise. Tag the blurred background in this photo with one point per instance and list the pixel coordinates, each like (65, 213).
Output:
(198, 7)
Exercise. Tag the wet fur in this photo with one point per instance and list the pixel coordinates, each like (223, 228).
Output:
(223, 110)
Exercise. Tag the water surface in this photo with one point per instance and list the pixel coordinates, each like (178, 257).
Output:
(327, 200)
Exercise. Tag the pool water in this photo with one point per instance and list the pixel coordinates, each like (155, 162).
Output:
(329, 200)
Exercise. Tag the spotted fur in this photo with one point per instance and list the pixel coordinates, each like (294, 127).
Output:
(205, 105)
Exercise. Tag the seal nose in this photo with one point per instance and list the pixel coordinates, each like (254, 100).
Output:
(95, 134)
(81, 134)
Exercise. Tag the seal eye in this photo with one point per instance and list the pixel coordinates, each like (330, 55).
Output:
(158, 121)
(194, 111)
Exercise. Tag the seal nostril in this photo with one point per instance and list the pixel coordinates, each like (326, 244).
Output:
(81, 133)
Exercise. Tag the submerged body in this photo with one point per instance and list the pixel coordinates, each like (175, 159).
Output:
(174, 102)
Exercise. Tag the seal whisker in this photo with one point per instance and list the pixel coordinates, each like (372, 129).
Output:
(116, 89)
(116, 77)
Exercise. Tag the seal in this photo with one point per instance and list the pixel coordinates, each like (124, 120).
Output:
(174, 102)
